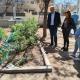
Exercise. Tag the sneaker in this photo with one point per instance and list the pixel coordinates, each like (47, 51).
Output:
(62, 48)
(51, 45)
(66, 49)
(55, 46)
(73, 56)
(76, 58)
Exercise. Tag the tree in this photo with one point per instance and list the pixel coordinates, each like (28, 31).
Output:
(46, 3)
(43, 4)
(8, 3)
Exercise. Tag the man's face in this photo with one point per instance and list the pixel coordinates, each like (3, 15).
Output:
(52, 9)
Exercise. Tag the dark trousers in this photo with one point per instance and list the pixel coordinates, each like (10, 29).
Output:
(53, 35)
(66, 38)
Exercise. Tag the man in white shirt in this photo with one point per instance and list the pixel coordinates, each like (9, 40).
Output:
(53, 23)
(52, 18)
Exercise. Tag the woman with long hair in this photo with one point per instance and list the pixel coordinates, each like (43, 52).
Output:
(68, 24)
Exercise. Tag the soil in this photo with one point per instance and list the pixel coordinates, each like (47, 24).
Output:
(33, 57)
(64, 67)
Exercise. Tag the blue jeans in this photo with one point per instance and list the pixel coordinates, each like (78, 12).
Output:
(77, 45)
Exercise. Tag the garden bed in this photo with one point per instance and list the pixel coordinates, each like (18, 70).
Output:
(37, 62)
(32, 56)
(20, 51)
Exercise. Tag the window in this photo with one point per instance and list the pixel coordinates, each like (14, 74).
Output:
(32, 2)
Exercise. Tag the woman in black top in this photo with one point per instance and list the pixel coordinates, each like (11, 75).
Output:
(68, 24)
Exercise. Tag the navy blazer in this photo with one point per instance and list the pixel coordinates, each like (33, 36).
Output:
(57, 20)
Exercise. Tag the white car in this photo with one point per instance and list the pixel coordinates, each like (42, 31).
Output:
(16, 19)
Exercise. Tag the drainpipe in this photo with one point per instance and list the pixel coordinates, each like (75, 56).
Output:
(14, 11)
(78, 3)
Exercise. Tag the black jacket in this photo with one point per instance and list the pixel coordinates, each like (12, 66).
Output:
(57, 20)
(69, 26)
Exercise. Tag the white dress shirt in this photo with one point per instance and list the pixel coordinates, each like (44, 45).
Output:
(52, 18)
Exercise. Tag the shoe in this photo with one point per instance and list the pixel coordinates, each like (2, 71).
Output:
(51, 45)
(55, 45)
(74, 57)
(66, 49)
(62, 48)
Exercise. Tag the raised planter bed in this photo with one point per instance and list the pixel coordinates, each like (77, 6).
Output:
(44, 67)
(29, 55)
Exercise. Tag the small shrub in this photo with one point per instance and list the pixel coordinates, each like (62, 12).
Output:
(2, 34)
(16, 27)
(22, 36)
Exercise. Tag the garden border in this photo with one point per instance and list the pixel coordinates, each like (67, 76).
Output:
(47, 68)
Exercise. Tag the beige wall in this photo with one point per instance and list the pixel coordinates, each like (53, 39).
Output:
(31, 6)
(2, 6)
(10, 8)
(28, 4)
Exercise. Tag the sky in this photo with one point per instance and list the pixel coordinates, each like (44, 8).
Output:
(62, 1)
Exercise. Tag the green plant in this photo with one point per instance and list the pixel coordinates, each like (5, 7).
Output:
(16, 27)
(22, 36)
(6, 49)
(2, 34)
(25, 32)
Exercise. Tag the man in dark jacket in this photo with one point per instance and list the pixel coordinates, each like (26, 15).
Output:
(53, 22)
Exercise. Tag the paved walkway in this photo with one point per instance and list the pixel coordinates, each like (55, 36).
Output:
(64, 68)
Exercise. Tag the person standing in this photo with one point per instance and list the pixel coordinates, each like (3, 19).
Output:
(77, 45)
(75, 17)
(67, 25)
(53, 23)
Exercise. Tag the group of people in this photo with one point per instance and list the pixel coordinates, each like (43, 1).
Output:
(54, 21)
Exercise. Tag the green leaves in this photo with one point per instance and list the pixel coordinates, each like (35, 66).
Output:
(22, 36)
(5, 50)
(16, 27)
(2, 34)
(25, 30)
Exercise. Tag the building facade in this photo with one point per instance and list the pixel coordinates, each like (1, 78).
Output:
(31, 5)
(6, 6)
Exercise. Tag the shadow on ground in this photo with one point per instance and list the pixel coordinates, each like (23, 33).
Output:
(48, 48)
(77, 67)
(64, 55)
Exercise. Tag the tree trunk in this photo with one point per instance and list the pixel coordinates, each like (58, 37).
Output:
(46, 3)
